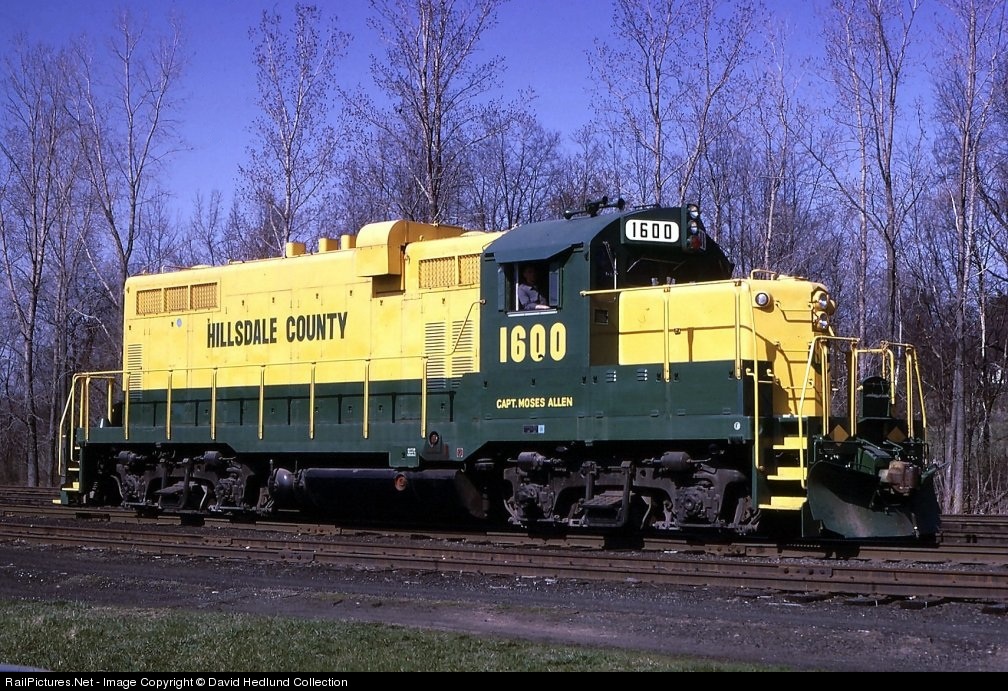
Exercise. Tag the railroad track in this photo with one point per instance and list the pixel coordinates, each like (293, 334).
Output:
(966, 539)
(30, 496)
(866, 579)
(975, 529)
(962, 552)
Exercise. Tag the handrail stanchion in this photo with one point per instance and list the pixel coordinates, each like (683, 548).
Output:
(262, 398)
(423, 397)
(311, 403)
(168, 407)
(213, 404)
(367, 393)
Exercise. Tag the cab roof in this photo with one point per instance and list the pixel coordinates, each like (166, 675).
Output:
(548, 238)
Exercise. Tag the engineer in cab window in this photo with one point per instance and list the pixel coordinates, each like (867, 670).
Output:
(529, 295)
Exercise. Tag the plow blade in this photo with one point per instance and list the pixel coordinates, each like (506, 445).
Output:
(845, 503)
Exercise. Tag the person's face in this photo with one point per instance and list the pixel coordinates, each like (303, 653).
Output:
(529, 274)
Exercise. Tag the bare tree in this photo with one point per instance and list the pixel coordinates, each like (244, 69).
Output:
(378, 184)
(126, 133)
(776, 127)
(68, 306)
(437, 89)
(162, 246)
(519, 165)
(292, 166)
(39, 172)
(12, 454)
(204, 241)
(589, 171)
(670, 84)
(967, 88)
(868, 46)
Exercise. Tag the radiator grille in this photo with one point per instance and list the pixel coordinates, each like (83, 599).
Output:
(177, 299)
(462, 356)
(468, 269)
(434, 343)
(148, 301)
(182, 298)
(204, 296)
(437, 273)
(134, 365)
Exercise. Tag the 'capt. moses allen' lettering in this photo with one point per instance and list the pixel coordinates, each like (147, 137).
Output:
(325, 326)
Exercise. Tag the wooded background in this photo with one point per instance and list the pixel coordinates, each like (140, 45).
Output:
(880, 174)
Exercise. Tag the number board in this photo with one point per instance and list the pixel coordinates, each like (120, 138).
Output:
(651, 230)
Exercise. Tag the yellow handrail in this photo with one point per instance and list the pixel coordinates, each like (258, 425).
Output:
(738, 330)
(465, 322)
(77, 406)
(311, 404)
(213, 404)
(757, 451)
(168, 407)
(126, 403)
(912, 365)
(85, 406)
(367, 393)
(423, 398)
(262, 398)
(666, 345)
(820, 344)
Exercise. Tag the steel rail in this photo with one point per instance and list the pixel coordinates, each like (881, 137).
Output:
(862, 578)
(954, 548)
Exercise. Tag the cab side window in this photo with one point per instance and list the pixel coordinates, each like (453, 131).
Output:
(529, 286)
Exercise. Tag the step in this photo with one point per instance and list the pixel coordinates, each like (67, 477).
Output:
(605, 501)
(784, 503)
(791, 444)
(789, 473)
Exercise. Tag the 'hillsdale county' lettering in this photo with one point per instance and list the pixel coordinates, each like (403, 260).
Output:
(301, 327)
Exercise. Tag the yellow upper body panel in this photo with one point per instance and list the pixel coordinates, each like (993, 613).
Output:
(324, 316)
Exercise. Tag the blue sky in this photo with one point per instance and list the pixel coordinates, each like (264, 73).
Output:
(544, 45)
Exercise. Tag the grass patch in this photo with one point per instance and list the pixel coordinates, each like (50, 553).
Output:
(67, 637)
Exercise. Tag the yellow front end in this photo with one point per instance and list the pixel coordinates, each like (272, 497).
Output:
(768, 329)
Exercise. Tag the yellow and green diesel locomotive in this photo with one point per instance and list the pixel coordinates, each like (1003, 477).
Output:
(399, 375)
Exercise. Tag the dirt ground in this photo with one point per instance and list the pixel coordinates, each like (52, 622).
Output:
(834, 634)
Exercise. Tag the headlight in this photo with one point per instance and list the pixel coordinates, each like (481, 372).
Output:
(823, 301)
(820, 321)
(762, 299)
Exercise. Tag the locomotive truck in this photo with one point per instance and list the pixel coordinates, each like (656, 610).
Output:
(391, 376)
